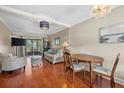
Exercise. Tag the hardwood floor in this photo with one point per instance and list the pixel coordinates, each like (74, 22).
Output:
(47, 76)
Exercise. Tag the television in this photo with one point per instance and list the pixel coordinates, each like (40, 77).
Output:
(18, 42)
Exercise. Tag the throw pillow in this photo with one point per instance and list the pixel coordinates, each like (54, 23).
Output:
(60, 52)
(49, 51)
(10, 55)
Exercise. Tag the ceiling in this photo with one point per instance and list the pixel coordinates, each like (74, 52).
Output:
(25, 18)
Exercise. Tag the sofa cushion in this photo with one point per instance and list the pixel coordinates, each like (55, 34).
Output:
(60, 52)
(52, 51)
(6, 55)
(49, 51)
(10, 55)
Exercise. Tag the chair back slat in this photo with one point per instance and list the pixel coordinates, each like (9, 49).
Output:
(68, 58)
(115, 65)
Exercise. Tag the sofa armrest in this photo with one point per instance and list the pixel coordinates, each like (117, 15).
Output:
(12, 63)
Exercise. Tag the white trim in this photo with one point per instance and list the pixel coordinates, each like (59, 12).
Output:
(8, 27)
(29, 15)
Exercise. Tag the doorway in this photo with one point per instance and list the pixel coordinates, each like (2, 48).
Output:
(34, 47)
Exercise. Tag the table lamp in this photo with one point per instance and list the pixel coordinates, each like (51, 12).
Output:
(65, 45)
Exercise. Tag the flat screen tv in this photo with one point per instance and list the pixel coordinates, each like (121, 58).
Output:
(18, 42)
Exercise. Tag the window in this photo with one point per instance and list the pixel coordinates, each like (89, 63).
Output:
(57, 41)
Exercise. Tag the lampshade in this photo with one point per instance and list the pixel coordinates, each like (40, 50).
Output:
(65, 44)
(44, 25)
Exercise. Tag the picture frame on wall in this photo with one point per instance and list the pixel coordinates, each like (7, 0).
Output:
(57, 41)
(112, 33)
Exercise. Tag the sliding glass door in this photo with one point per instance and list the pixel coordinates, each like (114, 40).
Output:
(34, 46)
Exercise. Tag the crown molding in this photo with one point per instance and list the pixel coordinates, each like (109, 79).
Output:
(30, 16)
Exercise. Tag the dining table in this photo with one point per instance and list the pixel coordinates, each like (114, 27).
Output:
(91, 60)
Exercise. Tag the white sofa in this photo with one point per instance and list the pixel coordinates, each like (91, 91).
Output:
(12, 63)
(55, 57)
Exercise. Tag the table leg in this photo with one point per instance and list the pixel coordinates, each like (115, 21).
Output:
(100, 75)
(91, 74)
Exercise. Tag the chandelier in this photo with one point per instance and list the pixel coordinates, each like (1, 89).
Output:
(101, 10)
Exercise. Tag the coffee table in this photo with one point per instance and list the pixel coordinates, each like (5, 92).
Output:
(36, 60)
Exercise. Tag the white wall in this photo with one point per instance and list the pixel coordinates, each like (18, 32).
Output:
(84, 38)
(5, 41)
(63, 37)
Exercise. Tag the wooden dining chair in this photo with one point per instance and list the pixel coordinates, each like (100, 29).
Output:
(73, 59)
(103, 71)
(87, 67)
(70, 65)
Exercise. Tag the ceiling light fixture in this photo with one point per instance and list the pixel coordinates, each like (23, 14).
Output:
(44, 25)
(101, 10)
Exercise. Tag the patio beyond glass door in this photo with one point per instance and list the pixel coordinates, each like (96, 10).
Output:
(34, 47)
